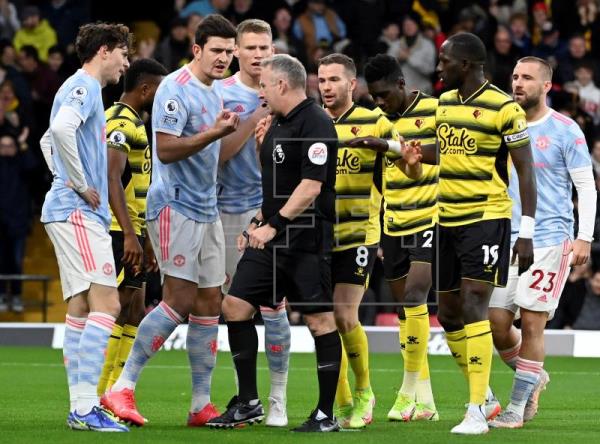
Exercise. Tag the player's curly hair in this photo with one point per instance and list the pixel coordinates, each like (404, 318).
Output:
(140, 70)
(383, 67)
(93, 36)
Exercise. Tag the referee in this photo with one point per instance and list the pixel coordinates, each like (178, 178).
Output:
(289, 241)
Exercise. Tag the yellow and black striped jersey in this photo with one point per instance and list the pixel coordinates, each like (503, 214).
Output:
(475, 136)
(125, 132)
(358, 201)
(411, 205)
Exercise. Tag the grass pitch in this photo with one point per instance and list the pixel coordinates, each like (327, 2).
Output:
(34, 402)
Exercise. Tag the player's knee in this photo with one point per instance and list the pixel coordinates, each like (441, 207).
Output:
(235, 309)
(112, 307)
(320, 323)
(345, 319)
(450, 320)
(416, 294)
(531, 330)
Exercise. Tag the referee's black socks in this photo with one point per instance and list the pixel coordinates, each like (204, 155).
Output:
(329, 354)
(243, 341)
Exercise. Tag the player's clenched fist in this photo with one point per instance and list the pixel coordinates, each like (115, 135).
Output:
(227, 122)
(262, 127)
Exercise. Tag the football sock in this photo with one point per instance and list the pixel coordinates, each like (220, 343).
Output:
(112, 349)
(243, 342)
(457, 342)
(343, 394)
(329, 354)
(125, 345)
(424, 391)
(153, 331)
(92, 346)
(510, 355)
(526, 375)
(357, 351)
(73, 330)
(479, 359)
(416, 341)
(201, 346)
(277, 348)
(402, 337)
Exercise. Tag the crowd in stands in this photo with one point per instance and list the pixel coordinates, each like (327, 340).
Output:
(37, 55)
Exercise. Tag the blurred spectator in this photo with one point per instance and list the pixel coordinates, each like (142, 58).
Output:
(596, 159)
(319, 25)
(501, 60)
(36, 32)
(15, 216)
(541, 21)
(589, 314)
(389, 40)
(551, 47)
(361, 95)
(9, 21)
(65, 17)
(474, 19)
(587, 92)
(174, 50)
(577, 53)
(204, 7)
(13, 120)
(56, 62)
(8, 55)
(283, 38)
(588, 23)
(416, 54)
(43, 82)
(193, 21)
(571, 299)
(240, 10)
(312, 87)
(520, 34)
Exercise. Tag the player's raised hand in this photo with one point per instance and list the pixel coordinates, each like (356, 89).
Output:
(370, 142)
(92, 197)
(411, 152)
(581, 252)
(133, 253)
(226, 122)
(261, 129)
(523, 249)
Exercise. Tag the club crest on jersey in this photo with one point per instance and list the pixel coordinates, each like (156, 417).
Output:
(419, 123)
(278, 154)
(542, 142)
(477, 114)
(355, 130)
(455, 141)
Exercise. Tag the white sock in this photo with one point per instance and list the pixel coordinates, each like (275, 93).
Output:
(409, 383)
(278, 385)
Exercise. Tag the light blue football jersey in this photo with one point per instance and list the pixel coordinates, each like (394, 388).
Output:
(558, 145)
(82, 93)
(184, 106)
(239, 184)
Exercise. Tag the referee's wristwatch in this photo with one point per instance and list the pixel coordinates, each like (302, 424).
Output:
(257, 222)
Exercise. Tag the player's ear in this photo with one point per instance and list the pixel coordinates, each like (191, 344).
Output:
(353, 83)
(236, 51)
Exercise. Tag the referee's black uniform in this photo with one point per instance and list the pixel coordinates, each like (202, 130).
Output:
(297, 262)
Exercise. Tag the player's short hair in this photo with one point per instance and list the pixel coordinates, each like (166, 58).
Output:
(140, 70)
(339, 59)
(255, 26)
(31, 52)
(290, 67)
(383, 67)
(467, 46)
(214, 25)
(93, 36)
(545, 67)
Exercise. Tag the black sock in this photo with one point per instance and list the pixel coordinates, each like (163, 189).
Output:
(329, 355)
(243, 341)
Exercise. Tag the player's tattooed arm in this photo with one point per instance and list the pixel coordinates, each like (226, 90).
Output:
(170, 148)
(523, 161)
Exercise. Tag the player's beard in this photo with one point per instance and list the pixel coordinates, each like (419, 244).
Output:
(530, 101)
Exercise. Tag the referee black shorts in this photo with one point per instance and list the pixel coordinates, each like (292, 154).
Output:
(479, 251)
(125, 275)
(264, 277)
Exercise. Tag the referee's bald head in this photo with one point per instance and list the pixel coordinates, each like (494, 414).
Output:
(289, 68)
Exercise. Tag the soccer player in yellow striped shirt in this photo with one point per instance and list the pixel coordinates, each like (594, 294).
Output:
(129, 164)
(408, 232)
(478, 126)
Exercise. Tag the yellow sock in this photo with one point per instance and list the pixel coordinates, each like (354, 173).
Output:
(417, 336)
(357, 349)
(343, 394)
(457, 342)
(127, 339)
(479, 354)
(111, 351)
(402, 337)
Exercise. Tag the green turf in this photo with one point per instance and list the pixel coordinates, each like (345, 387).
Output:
(33, 402)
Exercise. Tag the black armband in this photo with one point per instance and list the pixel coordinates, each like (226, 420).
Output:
(257, 222)
(278, 222)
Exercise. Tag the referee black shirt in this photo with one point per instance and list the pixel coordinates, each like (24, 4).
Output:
(301, 145)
